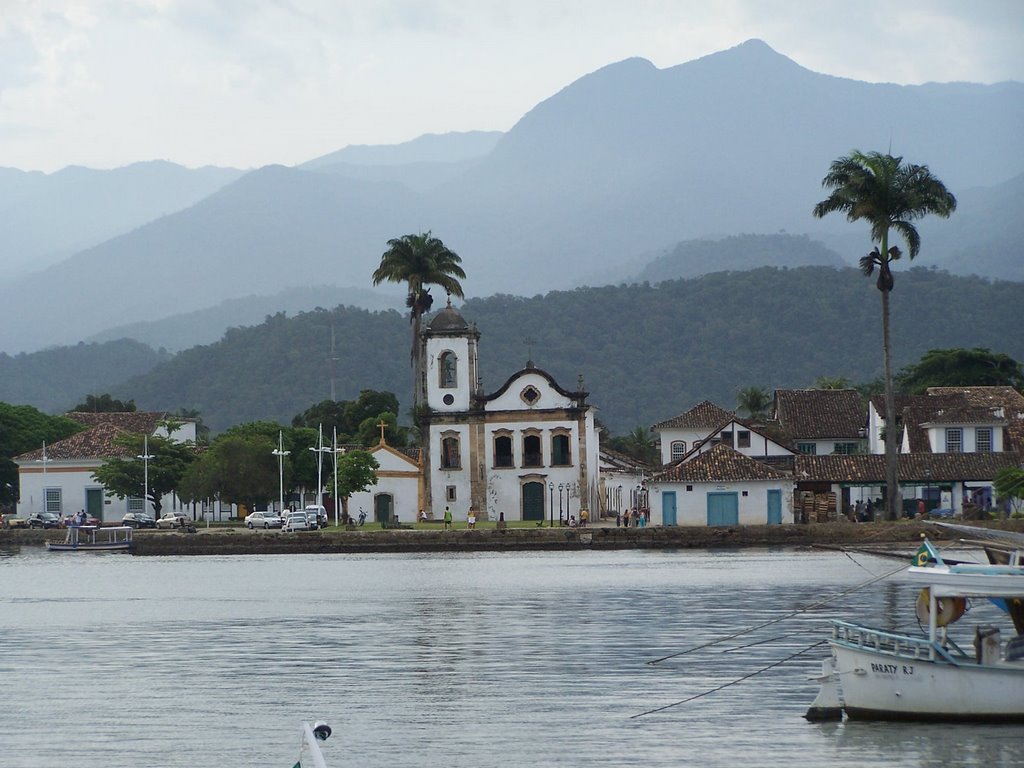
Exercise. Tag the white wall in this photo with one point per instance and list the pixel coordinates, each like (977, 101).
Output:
(692, 506)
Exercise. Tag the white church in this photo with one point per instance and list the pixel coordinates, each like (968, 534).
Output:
(528, 451)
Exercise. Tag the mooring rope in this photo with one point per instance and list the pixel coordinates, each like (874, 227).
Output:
(789, 615)
(731, 682)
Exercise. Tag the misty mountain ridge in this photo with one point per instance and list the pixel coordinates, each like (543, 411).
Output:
(628, 160)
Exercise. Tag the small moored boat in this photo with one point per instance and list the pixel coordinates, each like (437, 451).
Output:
(891, 675)
(94, 538)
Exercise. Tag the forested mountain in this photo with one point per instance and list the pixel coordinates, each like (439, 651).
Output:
(646, 352)
(627, 160)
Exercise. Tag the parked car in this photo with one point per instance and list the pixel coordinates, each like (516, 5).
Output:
(43, 520)
(295, 521)
(13, 521)
(317, 516)
(175, 520)
(88, 520)
(263, 520)
(138, 520)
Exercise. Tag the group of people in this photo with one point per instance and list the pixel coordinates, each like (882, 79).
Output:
(633, 518)
(862, 512)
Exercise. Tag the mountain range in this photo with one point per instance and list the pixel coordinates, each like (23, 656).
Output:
(596, 181)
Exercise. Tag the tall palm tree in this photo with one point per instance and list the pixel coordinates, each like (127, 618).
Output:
(754, 402)
(419, 261)
(889, 195)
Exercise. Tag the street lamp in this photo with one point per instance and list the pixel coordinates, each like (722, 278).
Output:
(44, 461)
(560, 487)
(280, 452)
(335, 450)
(551, 505)
(319, 450)
(145, 468)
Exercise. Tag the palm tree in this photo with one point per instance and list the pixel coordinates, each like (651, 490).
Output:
(754, 402)
(889, 195)
(419, 261)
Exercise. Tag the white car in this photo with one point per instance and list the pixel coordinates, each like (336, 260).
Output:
(295, 521)
(317, 516)
(263, 520)
(174, 520)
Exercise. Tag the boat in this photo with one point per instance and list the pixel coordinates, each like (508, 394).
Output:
(876, 674)
(310, 755)
(94, 538)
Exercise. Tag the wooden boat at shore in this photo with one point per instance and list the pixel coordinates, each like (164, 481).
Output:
(890, 675)
(94, 538)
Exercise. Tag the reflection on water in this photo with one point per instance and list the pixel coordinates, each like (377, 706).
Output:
(469, 660)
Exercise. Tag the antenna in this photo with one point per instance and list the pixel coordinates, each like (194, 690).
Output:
(334, 362)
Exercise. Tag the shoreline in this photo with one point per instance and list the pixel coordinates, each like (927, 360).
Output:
(239, 541)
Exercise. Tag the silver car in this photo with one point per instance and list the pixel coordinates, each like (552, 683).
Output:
(263, 520)
(295, 521)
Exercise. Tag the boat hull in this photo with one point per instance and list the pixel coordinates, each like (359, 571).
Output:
(878, 685)
(119, 546)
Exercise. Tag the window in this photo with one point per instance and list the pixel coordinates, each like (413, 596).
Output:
(449, 493)
(530, 395)
(136, 504)
(560, 456)
(810, 449)
(532, 455)
(503, 451)
(450, 456)
(726, 437)
(847, 449)
(743, 438)
(983, 440)
(954, 440)
(53, 500)
(448, 366)
(678, 449)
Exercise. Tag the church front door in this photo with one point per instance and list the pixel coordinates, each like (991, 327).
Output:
(533, 501)
(383, 507)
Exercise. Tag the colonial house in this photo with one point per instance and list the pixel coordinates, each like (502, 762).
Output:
(622, 483)
(506, 452)
(822, 421)
(399, 486)
(678, 434)
(720, 486)
(58, 477)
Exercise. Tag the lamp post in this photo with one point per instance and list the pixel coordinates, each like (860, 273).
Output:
(145, 468)
(551, 505)
(335, 450)
(44, 461)
(560, 487)
(280, 452)
(319, 451)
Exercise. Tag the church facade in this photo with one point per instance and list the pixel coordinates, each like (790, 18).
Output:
(528, 451)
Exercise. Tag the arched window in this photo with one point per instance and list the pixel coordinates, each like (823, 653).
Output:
(451, 457)
(448, 369)
(503, 457)
(678, 449)
(533, 453)
(561, 456)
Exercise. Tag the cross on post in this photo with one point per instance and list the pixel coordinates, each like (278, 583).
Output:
(529, 342)
(383, 425)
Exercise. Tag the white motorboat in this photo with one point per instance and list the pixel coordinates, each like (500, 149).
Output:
(310, 755)
(94, 538)
(890, 675)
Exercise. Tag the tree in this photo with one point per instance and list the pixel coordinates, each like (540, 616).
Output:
(357, 471)
(105, 404)
(369, 431)
(419, 261)
(889, 195)
(754, 402)
(152, 479)
(22, 429)
(976, 367)
(639, 445)
(1009, 485)
(831, 382)
(237, 468)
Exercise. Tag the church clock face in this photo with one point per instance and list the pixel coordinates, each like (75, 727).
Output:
(530, 395)
(448, 399)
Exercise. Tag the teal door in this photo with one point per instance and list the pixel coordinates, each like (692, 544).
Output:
(533, 501)
(383, 507)
(668, 508)
(94, 502)
(723, 509)
(775, 507)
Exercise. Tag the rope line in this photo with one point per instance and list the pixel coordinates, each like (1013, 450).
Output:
(730, 683)
(789, 615)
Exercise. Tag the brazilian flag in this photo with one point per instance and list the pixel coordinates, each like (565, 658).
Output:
(925, 553)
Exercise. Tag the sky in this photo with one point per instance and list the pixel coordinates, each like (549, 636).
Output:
(247, 83)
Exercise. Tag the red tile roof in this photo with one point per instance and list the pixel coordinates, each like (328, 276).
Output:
(720, 464)
(869, 469)
(704, 415)
(814, 414)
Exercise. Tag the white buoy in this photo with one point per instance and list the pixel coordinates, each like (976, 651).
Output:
(828, 704)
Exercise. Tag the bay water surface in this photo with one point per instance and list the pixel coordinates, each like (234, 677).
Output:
(446, 660)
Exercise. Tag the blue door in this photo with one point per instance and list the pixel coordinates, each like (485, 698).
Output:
(668, 508)
(775, 507)
(723, 509)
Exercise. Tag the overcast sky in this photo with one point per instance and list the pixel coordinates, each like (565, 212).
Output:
(246, 83)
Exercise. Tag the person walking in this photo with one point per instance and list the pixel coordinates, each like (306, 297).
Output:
(447, 518)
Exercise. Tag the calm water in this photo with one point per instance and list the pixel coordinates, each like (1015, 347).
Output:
(441, 660)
